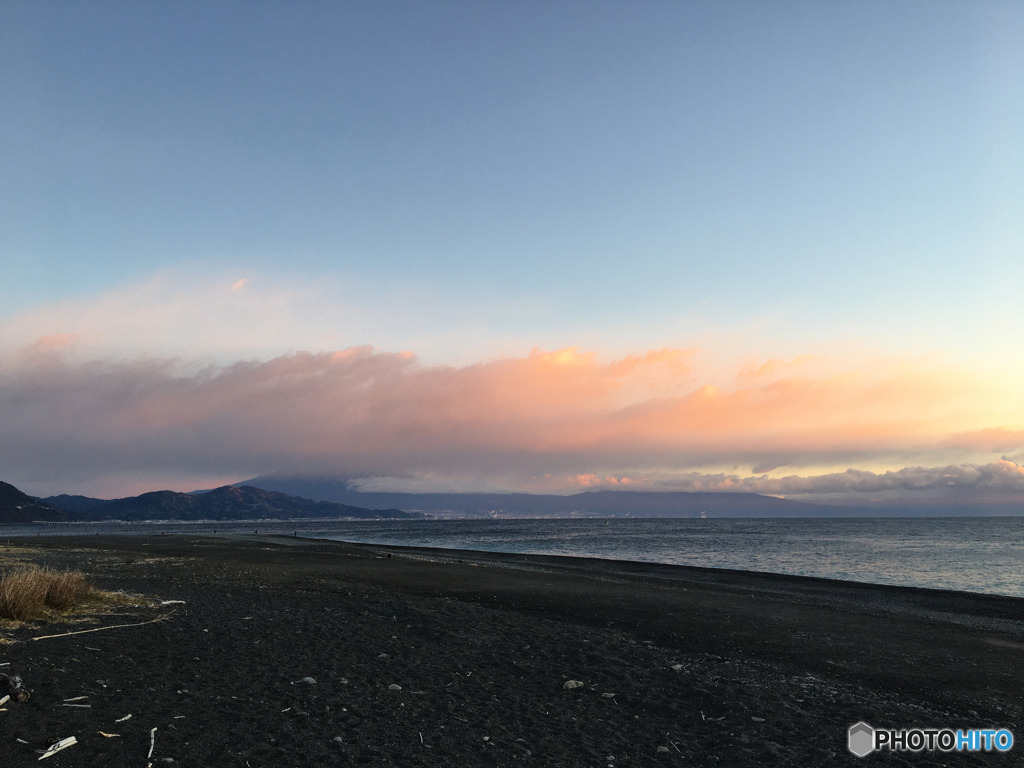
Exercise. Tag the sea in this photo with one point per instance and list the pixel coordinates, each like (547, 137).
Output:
(984, 555)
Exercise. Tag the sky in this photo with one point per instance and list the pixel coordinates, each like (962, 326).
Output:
(532, 246)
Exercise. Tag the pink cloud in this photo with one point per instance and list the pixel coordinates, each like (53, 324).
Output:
(54, 341)
(363, 413)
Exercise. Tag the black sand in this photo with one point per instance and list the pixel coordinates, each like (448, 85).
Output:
(719, 668)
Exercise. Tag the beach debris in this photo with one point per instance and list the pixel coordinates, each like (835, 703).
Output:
(81, 706)
(101, 629)
(394, 687)
(677, 668)
(520, 744)
(306, 680)
(570, 684)
(758, 719)
(663, 749)
(57, 746)
(607, 695)
(5, 699)
(121, 720)
(15, 687)
(152, 743)
(339, 740)
(173, 602)
(76, 698)
(109, 735)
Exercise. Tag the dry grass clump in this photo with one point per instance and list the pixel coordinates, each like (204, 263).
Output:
(28, 594)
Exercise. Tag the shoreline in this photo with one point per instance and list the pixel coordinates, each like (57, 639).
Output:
(787, 662)
(989, 566)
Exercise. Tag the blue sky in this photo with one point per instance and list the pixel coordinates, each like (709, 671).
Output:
(472, 181)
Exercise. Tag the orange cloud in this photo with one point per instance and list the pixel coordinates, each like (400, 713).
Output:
(993, 440)
(364, 413)
(773, 366)
(54, 341)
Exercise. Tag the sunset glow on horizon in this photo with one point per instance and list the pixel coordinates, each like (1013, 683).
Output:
(518, 248)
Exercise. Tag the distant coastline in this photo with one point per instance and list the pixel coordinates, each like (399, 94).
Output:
(297, 498)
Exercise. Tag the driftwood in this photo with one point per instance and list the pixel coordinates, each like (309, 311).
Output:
(15, 687)
(56, 747)
(101, 629)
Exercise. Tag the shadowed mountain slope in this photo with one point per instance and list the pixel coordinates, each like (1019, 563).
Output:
(226, 503)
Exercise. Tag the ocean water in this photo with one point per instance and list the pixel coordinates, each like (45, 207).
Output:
(970, 554)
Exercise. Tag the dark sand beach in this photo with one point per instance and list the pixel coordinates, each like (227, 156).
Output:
(434, 658)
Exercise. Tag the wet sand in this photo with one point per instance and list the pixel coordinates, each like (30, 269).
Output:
(679, 666)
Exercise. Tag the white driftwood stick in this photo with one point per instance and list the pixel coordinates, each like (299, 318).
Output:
(126, 717)
(100, 629)
(77, 698)
(4, 700)
(70, 741)
(152, 743)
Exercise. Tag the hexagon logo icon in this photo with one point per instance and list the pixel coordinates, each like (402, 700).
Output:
(860, 739)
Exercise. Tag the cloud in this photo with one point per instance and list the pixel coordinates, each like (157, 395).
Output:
(513, 422)
(1001, 475)
(204, 317)
(195, 377)
(997, 440)
(774, 367)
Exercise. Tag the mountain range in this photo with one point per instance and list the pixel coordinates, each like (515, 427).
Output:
(295, 497)
(226, 503)
(964, 502)
(584, 504)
